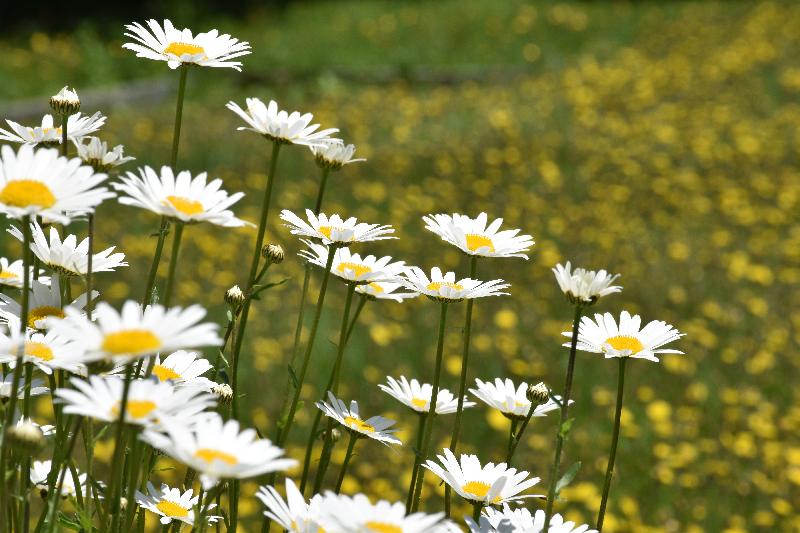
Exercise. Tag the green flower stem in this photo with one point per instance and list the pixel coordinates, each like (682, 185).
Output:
(64, 122)
(163, 230)
(614, 440)
(462, 384)
(347, 456)
(133, 481)
(323, 181)
(198, 515)
(517, 436)
(233, 504)
(176, 133)
(476, 512)
(426, 441)
(511, 434)
(89, 274)
(173, 263)
(88, 447)
(324, 462)
(420, 433)
(54, 496)
(25, 480)
(551, 491)
(115, 484)
(309, 347)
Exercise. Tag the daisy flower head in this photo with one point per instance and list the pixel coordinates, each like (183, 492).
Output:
(47, 135)
(12, 274)
(583, 286)
(522, 521)
(69, 257)
(356, 514)
(512, 400)
(38, 182)
(40, 470)
(96, 154)
(44, 305)
(150, 402)
(490, 484)
(7, 380)
(164, 42)
(294, 514)
(183, 198)
(65, 102)
(333, 154)
(334, 230)
(133, 332)
(474, 237)
(278, 125)
(385, 290)
(444, 287)
(626, 339)
(183, 368)
(376, 427)
(417, 396)
(46, 351)
(219, 450)
(172, 504)
(350, 267)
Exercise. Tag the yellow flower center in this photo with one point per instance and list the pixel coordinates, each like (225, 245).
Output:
(39, 350)
(209, 455)
(625, 342)
(136, 408)
(172, 509)
(184, 205)
(179, 48)
(44, 311)
(130, 341)
(357, 423)
(476, 488)
(383, 527)
(437, 285)
(475, 242)
(7, 275)
(419, 402)
(358, 269)
(163, 373)
(376, 288)
(26, 193)
(326, 230)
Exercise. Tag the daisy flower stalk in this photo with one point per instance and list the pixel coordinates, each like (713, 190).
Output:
(65, 103)
(582, 288)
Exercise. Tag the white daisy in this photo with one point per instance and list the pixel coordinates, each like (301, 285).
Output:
(444, 287)
(134, 333)
(521, 521)
(170, 504)
(96, 154)
(46, 351)
(44, 305)
(46, 429)
(352, 267)
(39, 182)
(177, 47)
(65, 102)
(385, 290)
(278, 125)
(12, 274)
(295, 515)
(78, 126)
(418, 396)
(333, 229)
(585, 286)
(40, 470)
(356, 514)
(603, 335)
(474, 237)
(510, 400)
(6, 380)
(150, 403)
(182, 197)
(183, 368)
(376, 427)
(218, 450)
(489, 484)
(334, 154)
(69, 257)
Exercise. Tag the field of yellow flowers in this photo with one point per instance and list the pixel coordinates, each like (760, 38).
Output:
(659, 141)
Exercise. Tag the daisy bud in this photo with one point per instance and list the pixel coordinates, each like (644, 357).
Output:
(273, 253)
(335, 435)
(26, 437)
(123, 503)
(223, 392)
(43, 493)
(66, 102)
(234, 297)
(538, 394)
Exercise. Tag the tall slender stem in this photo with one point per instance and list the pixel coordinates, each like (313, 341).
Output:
(163, 230)
(64, 123)
(551, 491)
(176, 132)
(476, 512)
(136, 457)
(517, 436)
(426, 442)
(119, 447)
(55, 495)
(89, 274)
(347, 456)
(462, 384)
(323, 180)
(420, 435)
(233, 499)
(173, 263)
(25, 480)
(614, 440)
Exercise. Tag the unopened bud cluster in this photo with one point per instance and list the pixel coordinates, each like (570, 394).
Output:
(538, 394)
(223, 392)
(26, 437)
(273, 253)
(234, 297)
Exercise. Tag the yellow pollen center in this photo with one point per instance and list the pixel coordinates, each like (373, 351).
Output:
(179, 48)
(419, 402)
(357, 423)
(358, 269)
(476, 488)
(475, 242)
(163, 373)
(383, 527)
(39, 350)
(172, 509)
(209, 455)
(26, 193)
(184, 205)
(437, 285)
(136, 408)
(130, 341)
(43, 312)
(625, 342)
(327, 230)
(7, 275)
(376, 288)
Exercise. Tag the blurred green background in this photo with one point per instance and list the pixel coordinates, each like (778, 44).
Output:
(657, 140)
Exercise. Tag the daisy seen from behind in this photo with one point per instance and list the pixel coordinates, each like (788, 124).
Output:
(417, 396)
(333, 154)
(280, 126)
(96, 154)
(583, 286)
(445, 288)
(474, 237)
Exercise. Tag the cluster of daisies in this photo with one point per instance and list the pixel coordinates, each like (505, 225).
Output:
(139, 370)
